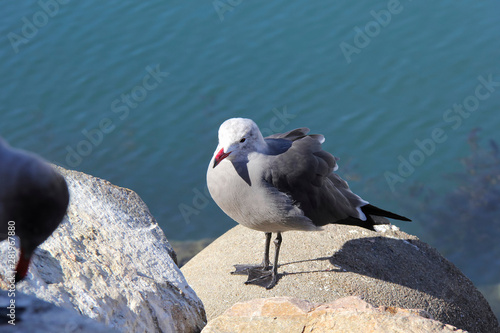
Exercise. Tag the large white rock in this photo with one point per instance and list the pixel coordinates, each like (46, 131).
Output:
(110, 261)
(28, 314)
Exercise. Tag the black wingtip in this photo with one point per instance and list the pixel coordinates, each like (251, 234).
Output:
(372, 210)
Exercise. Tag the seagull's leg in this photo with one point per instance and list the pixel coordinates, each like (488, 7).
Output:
(277, 245)
(265, 262)
(266, 278)
(258, 269)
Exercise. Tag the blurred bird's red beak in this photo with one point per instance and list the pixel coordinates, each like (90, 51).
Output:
(220, 156)
(22, 266)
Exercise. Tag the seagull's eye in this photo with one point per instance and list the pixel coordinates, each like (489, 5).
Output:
(242, 140)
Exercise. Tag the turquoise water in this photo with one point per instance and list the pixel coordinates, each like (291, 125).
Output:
(134, 92)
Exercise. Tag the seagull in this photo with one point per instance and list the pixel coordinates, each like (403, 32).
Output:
(33, 201)
(279, 183)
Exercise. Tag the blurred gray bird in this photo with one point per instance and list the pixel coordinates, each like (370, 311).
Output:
(279, 183)
(33, 201)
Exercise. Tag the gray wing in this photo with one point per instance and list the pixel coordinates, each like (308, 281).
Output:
(293, 135)
(305, 172)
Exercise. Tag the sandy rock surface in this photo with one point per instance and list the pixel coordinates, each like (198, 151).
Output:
(389, 268)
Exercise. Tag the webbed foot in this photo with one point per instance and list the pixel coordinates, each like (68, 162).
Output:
(258, 275)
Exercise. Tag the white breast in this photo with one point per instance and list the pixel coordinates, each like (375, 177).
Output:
(258, 206)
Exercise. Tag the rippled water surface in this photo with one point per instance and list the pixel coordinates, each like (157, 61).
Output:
(134, 92)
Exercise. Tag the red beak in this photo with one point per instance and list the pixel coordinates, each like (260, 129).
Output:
(220, 156)
(22, 266)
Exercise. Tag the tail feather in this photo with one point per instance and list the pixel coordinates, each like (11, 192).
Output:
(372, 210)
(374, 216)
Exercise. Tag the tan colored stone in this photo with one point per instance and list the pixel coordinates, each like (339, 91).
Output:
(349, 314)
(278, 307)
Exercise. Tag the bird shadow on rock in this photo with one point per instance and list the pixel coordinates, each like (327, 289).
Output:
(407, 262)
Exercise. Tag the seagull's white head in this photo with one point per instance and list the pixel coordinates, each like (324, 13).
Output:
(237, 138)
